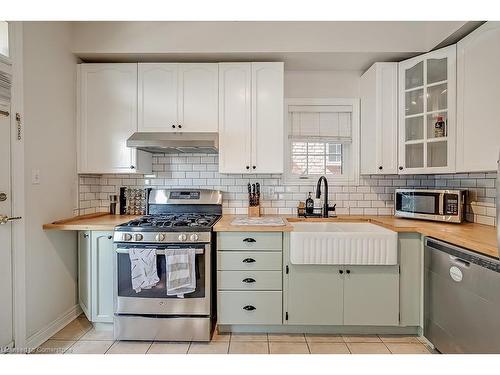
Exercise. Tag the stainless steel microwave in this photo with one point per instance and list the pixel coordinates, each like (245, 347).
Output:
(426, 204)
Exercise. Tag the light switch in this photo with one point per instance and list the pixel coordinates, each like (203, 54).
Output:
(35, 176)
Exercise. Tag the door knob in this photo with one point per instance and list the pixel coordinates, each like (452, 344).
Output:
(5, 219)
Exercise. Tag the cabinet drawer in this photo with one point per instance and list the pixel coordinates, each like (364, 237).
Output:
(249, 280)
(250, 241)
(249, 260)
(249, 307)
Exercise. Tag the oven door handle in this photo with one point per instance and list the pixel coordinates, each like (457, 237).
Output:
(120, 250)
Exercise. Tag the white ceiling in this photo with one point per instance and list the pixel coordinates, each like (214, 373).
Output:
(302, 45)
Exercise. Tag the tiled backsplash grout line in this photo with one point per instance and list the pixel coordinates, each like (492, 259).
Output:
(373, 195)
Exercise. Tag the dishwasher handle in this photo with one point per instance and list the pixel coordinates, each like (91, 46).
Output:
(459, 262)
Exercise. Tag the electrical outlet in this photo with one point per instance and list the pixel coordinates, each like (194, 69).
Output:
(35, 176)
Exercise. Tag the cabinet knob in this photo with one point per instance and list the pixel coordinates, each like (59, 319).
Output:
(85, 235)
(249, 308)
(348, 271)
(341, 272)
(110, 237)
(179, 126)
(248, 167)
(173, 126)
(132, 167)
(248, 260)
(380, 167)
(249, 240)
(400, 168)
(254, 167)
(248, 280)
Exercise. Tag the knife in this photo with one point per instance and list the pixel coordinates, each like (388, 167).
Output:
(253, 194)
(257, 191)
(249, 194)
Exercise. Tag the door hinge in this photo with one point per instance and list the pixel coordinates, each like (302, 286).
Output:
(399, 317)
(287, 270)
(286, 315)
(18, 126)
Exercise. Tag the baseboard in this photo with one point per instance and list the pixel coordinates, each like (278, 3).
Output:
(37, 339)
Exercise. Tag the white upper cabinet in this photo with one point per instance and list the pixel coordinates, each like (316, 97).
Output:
(379, 120)
(198, 97)
(178, 97)
(478, 94)
(157, 94)
(427, 126)
(107, 117)
(267, 117)
(251, 117)
(235, 81)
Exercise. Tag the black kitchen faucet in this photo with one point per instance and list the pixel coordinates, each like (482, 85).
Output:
(326, 208)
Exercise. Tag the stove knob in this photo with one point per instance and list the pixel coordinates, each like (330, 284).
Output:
(138, 237)
(160, 237)
(182, 237)
(193, 237)
(126, 236)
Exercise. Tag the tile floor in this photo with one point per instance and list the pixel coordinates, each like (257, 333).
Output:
(79, 337)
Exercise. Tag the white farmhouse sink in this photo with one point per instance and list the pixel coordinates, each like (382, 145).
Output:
(342, 243)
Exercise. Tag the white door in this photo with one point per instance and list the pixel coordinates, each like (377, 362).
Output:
(107, 118)
(6, 308)
(198, 97)
(158, 97)
(478, 98)
(235, 117)
(427, 94)
(267, 117)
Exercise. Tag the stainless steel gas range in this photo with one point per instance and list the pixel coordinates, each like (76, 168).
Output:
(177, 219)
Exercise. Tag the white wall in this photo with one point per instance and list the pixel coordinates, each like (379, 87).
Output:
(322, 84)
(49, 120)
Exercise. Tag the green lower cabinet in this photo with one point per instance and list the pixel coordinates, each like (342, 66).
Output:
(315, 294)
(102, 276)
(259, 307)
(95, 275)
(371, 295)
(342, 295)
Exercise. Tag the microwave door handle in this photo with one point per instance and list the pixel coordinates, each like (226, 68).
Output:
(441, 204)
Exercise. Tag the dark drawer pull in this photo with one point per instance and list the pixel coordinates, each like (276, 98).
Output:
(248, 260)
(248, 280)
(249, 308)
(249, 240)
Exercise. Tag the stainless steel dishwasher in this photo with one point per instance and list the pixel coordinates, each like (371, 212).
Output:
(461, 299)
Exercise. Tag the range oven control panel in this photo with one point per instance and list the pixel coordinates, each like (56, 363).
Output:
(161, 237)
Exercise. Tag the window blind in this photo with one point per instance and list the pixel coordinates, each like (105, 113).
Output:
(327, 123)
(5, 88)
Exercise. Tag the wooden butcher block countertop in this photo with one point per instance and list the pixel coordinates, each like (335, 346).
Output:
(476, 237)
(98, 221)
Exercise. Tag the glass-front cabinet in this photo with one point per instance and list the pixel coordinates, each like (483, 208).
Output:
(427, 98)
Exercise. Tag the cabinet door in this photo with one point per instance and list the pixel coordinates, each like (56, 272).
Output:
(107, 117)
(371, 295)
(158, 97)
(198, 97)
(234, 117)
(84, 275)
(267, 117)
(315, 295)
(102, 277)
(478, 110)
(379, 124)
(427, 88)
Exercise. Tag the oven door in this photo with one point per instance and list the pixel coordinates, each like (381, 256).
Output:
(155, 300)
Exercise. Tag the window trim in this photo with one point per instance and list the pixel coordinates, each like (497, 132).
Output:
(353, 155)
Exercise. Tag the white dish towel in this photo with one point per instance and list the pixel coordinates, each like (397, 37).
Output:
(143, 268)
(181, 272)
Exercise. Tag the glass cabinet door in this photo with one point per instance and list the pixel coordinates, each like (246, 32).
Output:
(427, 89)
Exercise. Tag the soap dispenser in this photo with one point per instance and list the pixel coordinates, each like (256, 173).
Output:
(309, 205)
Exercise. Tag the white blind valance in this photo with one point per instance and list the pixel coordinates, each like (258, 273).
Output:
(328, 123)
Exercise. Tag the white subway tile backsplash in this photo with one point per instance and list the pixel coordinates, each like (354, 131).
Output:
(373, 196)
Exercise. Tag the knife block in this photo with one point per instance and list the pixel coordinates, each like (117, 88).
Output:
(254, 211)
